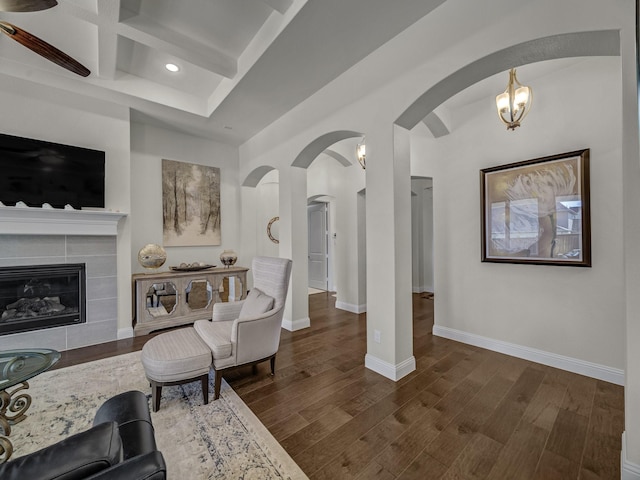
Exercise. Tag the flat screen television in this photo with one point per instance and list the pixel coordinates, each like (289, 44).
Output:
(37, 172)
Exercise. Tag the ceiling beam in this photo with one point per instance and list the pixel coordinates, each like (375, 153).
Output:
(108, 15)
(105, 17)
(143, 30)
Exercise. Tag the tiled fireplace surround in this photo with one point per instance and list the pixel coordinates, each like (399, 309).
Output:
(99, 254)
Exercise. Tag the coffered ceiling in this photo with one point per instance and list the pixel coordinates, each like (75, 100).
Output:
(243, 63)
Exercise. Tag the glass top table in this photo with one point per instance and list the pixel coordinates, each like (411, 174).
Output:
(16, 367)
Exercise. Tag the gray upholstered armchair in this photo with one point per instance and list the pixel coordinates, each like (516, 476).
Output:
(247, 332)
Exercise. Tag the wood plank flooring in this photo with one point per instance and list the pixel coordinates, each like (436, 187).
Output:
(465, 413)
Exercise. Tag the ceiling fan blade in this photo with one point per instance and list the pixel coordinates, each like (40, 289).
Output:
(44, 49)
(26, 5)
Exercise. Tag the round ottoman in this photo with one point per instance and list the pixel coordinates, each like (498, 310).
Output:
(176, 357)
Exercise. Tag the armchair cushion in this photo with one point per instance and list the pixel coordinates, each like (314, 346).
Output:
(217, 336)
(256, 303)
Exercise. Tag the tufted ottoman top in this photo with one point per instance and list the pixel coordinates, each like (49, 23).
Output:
(176, 355)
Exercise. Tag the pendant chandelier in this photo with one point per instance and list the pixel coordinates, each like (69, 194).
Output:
(514, 103)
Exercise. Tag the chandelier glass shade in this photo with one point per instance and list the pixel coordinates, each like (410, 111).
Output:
(361, 154)
(514, 103)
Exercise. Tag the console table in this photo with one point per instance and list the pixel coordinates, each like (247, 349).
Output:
(16, 367)
(169, 299)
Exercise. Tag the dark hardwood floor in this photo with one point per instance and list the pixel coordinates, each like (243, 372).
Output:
(465, 413)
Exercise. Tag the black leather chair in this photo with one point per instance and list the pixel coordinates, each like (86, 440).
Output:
(120, 445)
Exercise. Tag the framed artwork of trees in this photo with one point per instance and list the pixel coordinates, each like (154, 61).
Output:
(190, 204)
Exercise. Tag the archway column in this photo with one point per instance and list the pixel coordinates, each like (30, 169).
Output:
(630, 458)
(388, 228)
(248, 240)
(294, 245)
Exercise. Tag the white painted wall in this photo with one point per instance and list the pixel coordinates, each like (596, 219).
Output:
(563, 310)
(267, 207)
(630, 456)
(149, 145)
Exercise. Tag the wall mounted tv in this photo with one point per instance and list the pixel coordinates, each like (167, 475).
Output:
(37, 172)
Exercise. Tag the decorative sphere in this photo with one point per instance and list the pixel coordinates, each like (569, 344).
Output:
(152, 256)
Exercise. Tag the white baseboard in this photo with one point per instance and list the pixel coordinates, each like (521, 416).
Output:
(293, 325)
(628, 469)
(386, 369)
(349, 307)
(582, 367)
(125, 333)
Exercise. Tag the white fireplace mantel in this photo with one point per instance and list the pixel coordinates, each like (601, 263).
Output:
(56, 221)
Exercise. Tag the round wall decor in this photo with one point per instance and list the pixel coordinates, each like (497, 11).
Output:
(269, 233)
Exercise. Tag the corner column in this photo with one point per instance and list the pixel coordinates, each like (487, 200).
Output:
(294, 245)
(630, 455)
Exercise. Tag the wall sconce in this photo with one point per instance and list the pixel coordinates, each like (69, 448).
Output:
(514, 103)
(361, 153)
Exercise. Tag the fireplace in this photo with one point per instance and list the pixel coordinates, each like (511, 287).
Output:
(41, 296)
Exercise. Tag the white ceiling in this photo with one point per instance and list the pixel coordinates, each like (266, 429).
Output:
(243, 63)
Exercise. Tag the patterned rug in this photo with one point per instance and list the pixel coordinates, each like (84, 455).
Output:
(221, 440)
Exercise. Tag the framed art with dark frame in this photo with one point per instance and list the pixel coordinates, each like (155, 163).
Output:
(537, 211)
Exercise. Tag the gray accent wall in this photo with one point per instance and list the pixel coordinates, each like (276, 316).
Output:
(99, 255)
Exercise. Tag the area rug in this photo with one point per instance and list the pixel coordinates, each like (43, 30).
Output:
(221, 440)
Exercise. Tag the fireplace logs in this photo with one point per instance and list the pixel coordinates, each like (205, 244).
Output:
(33, 307)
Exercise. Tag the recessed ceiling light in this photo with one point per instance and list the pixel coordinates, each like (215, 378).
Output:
(172, 67)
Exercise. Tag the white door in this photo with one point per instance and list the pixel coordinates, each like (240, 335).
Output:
(318, 239)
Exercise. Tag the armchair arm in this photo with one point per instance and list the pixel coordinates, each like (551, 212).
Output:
(150, 466)
(75, 457)
(257, 337)
(223, 311)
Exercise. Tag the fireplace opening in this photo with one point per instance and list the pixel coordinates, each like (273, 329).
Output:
(41, 296)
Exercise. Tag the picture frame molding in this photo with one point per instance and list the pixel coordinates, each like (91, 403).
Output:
(584, 182)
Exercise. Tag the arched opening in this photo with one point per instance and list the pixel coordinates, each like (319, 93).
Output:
(260, 191)
(582, 44)
(569, 68)
(332, 173)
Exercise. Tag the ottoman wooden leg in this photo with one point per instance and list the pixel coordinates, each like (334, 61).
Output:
(205, 388)
(218, 384)
(156, 395)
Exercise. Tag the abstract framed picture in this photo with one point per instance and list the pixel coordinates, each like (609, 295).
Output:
(537, 211)
(190, 204)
